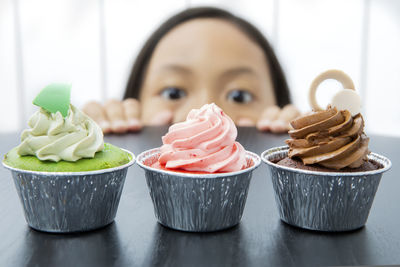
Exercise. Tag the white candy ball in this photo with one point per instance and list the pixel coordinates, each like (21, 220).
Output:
(347, 99)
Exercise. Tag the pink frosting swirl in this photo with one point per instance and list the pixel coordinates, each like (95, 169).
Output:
(205, 142)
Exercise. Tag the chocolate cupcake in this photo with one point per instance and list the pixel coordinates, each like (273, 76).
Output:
(326, 178)
(329, 140)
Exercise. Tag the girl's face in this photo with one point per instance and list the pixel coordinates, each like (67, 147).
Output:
(203, 61)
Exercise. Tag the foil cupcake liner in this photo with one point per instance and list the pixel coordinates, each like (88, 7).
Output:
(63, 202)
(323, 201)
(197, 202)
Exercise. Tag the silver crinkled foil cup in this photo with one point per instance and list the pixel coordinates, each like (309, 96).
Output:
(197, 202)
(62, 202)
(323, 201)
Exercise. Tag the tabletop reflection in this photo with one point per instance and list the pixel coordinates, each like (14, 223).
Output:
(95, 248)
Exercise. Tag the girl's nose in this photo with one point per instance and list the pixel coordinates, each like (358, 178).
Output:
(206, 96)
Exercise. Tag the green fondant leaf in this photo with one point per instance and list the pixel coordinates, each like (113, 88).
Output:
(54, 97)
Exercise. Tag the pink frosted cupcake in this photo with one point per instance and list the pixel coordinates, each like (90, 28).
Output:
(199, 178)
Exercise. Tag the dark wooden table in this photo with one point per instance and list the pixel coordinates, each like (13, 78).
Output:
(261, 239)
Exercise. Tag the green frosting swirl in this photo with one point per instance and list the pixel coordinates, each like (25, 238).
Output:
(53, 137)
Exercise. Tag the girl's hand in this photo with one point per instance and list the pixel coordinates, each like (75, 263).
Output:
(277, 120)
(123, 116)
(115, 116)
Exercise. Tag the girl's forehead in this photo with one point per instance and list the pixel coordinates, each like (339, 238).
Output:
(207, 41)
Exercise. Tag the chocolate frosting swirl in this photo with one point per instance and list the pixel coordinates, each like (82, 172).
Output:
(331, 138)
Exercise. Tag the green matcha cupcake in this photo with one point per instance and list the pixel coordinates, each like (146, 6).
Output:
(67, 179)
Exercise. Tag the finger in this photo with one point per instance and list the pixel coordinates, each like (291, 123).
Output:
(96, 111)
(162, 118)
(281, 123)
(279, 126)
(116, 116)
(271, 113)
(289, 113)
(264, 125)
(267, 117)
(132, 113)
(245, 122)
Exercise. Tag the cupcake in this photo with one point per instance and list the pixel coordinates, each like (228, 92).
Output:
(67, 179)
(199, 178)
(326, 178)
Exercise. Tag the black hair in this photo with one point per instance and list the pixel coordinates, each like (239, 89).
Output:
(138, 72)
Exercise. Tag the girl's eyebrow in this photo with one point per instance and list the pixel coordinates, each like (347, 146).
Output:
(235, 71)
(229, 73)
(176, 67)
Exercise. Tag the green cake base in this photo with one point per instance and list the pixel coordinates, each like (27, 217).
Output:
(110, 157)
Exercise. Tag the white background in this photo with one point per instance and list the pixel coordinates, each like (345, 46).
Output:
(92, 44)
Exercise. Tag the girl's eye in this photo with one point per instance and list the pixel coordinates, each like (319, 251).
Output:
(173, 93)
(240, 96)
